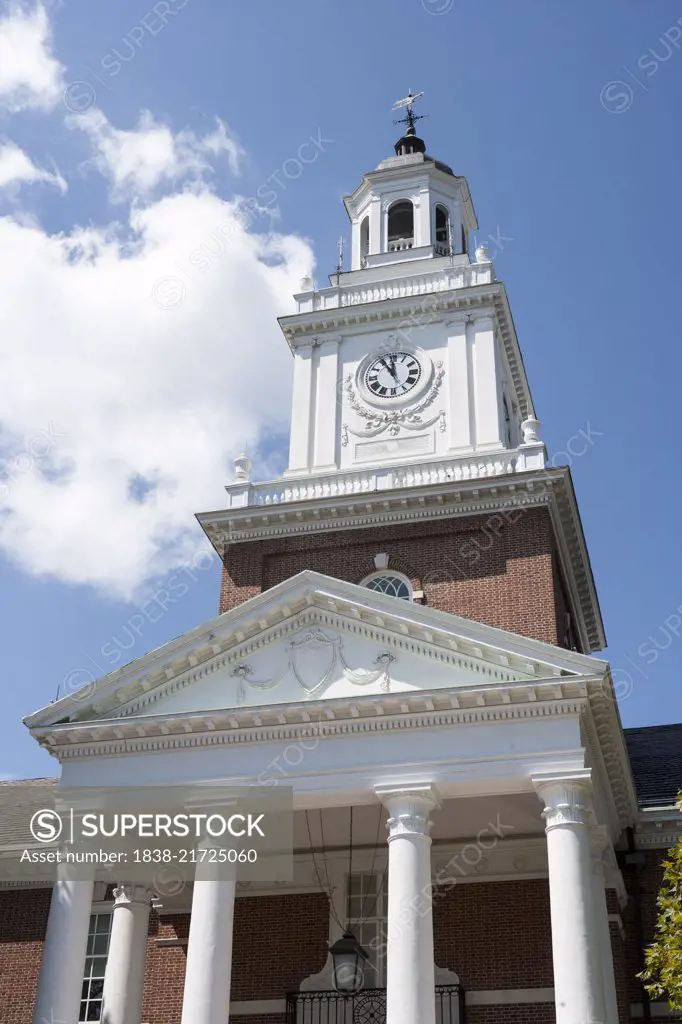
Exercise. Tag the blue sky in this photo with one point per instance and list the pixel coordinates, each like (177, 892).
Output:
(563, 117)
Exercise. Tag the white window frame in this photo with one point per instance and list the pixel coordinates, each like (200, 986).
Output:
(390, 573)
(100, 910)
(370, 922)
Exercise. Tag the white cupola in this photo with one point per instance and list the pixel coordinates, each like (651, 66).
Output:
(411, 207)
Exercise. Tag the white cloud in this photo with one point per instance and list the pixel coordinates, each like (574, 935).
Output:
(137, 358)
(138, 161)
(30, 76)
(120, 417)
(17, 168)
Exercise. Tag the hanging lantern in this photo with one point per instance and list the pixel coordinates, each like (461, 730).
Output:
(348, 959)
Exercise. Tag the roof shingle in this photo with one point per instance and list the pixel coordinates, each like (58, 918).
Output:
(656, 758)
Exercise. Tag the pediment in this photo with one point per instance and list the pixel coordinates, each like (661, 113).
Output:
(315, 638)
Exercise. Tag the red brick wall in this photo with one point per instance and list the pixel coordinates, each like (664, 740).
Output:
(621, 973)
(649, 879)
(278, 941)
(164, 977)
(498, 572)
(23, 920)
(496, 935)
(524, 1013)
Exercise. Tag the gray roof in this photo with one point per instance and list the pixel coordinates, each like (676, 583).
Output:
(656, 759)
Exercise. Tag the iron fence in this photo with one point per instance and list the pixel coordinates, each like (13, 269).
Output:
(367, 1007)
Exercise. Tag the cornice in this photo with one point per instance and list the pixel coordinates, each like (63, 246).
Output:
(608, 751)
(320, 719)
(658, 828)
(662, 840)
(351, 512)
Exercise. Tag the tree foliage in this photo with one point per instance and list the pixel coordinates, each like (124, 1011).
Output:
(662, 975)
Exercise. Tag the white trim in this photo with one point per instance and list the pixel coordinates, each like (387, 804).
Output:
(509, 996)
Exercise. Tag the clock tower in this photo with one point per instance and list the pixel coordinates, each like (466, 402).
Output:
(415, 462)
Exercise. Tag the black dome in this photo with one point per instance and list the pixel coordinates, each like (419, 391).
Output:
(409, 144)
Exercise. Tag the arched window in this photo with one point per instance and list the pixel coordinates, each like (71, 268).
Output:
(442, 230)
(364, 239)
(401, 226)
(392, 583)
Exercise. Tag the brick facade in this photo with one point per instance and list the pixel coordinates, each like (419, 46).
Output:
(642, 885)
(495, 935)
(492, 569)
(23, 921)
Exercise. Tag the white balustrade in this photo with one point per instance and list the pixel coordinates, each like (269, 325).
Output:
(465, 275)
(400, 244)
(368, 481)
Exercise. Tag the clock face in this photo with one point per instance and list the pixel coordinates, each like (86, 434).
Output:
(392, 375)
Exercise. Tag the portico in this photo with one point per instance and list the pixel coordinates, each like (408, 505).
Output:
(474, 755)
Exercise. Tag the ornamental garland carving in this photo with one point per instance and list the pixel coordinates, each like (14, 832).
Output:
(393, 419)
(333, 645)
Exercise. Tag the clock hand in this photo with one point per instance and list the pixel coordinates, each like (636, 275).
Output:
(392, 369)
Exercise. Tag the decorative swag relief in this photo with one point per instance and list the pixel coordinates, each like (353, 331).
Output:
(314, 661)
(393, 419)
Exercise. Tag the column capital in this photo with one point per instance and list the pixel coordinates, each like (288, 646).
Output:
(409, 808)
(330, 343)
(567, 798)
(125, 893)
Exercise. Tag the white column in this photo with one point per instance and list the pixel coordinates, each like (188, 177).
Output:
(329, 396)
(486, 385)
(124, 975)
(66, 939)
(422, 219)
(377, 218)
(459, 380)
(410, 978)
(576, 950)
(208, 973)
(301, 410)
(600, 843)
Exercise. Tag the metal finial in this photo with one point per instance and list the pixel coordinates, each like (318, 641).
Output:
(339, 267)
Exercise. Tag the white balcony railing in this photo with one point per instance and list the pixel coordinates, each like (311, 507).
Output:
(462, 275)
(345, 484)
(399, 244)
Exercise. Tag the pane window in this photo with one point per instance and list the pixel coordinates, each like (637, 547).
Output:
(390, 583)
(95, 963)
(367, 905)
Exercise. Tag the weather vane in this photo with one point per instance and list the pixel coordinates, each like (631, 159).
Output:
(410, 116)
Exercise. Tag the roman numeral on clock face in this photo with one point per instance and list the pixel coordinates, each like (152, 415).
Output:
(392, 375)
